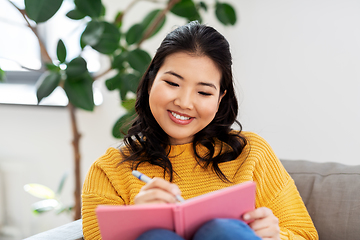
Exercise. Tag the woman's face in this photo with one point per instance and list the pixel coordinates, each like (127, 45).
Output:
(185, 95)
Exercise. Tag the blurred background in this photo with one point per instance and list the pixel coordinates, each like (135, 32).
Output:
(296, 66)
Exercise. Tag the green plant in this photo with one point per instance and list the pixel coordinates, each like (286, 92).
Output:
(122, 46)
(2, 75)
(51, 199)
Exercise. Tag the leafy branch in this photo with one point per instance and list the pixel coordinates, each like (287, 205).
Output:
(43, 50)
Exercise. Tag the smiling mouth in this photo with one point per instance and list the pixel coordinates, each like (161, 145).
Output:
(180, 117)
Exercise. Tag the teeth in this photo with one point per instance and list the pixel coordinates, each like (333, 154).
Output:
(177, 116)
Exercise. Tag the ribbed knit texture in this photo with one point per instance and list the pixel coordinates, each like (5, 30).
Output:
(108, 183)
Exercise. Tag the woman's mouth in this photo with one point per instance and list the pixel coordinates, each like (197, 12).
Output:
(180, 119)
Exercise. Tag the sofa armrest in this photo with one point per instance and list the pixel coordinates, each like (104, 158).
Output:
(331, 193)
(69, 231)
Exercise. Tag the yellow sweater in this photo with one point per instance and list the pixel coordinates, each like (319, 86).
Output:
(109, 183)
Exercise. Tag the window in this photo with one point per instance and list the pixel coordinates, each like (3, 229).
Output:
(20, 54)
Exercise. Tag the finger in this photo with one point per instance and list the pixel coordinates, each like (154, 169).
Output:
(268, 234)
(164, 185)
(154, 195)
(157, 190)
(266, 222)
(271, 232)
(257, 214)
(267, 227)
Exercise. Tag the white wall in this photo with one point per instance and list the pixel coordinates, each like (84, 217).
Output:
(296, 66)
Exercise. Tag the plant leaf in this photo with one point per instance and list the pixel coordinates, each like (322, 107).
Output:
(125, 82)
(150, 18)
(78, 85)
(39, 191)
(51, 67)
(109, 40)
(118, 62)
(225, 13)
(123, 91)
(134, 34)
(92, 33)
(139, 60)
(61, 51)
(203, 6)
(46, 84)
(75, 14)
(103, 10)
(123, 124)
(187, 9)
(129, 104)
(92, 8)
(114, 82)
(44, 206)
(61, 184)
(131, 82)
(118, 19)
(76, 69)
(80, 92)
(41, 10)
(2, 75)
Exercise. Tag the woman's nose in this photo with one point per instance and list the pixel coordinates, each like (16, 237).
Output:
(184, 100)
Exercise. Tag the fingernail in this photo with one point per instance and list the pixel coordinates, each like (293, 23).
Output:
(246, 217)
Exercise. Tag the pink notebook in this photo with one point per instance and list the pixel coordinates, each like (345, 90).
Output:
(129, 222)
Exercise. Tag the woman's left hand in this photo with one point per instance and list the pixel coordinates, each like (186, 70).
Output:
(264, 223)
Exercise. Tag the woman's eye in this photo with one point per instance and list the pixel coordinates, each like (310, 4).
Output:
(205, 93)
(172, 83)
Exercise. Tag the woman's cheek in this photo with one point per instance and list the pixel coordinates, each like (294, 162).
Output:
(209, 108)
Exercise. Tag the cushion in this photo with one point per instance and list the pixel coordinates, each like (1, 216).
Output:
(331, 193)
(69, 231)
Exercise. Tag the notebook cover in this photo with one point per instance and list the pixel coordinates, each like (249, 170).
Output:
(129, 222)
(230, 202)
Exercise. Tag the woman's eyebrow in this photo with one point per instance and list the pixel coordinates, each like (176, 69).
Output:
(182, 78)
(174, 74)
(207, 84)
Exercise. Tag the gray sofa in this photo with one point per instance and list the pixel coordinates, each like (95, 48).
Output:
(331, 192)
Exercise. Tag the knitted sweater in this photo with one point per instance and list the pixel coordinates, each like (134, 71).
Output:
(108, 183)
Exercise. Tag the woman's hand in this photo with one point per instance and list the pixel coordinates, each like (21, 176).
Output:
(264, 223)
(157, 190)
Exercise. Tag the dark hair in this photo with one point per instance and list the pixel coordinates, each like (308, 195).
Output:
(148, 142)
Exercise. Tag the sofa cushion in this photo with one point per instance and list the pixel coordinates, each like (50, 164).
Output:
(331, 193)
(70, 231)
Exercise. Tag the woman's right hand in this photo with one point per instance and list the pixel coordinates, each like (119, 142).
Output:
(157, 190)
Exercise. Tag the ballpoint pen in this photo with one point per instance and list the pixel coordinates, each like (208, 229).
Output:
(146, 179)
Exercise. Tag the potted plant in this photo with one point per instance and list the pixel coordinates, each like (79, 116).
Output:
(122, 46)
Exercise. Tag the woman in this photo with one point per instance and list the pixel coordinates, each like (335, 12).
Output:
(182, 138)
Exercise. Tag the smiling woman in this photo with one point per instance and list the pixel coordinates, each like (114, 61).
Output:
(182, 137)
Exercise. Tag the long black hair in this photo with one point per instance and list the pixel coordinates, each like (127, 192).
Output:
(146, 141)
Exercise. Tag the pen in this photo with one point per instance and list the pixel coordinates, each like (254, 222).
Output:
(146, 179)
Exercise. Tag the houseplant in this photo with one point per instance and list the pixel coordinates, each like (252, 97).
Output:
(122, 46)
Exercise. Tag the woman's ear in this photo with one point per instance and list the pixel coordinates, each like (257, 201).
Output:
(221, 96)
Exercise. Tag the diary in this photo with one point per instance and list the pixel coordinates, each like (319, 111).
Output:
(130, 221)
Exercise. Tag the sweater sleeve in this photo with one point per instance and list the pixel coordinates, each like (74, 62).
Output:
(276, 190)
(97, 190)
